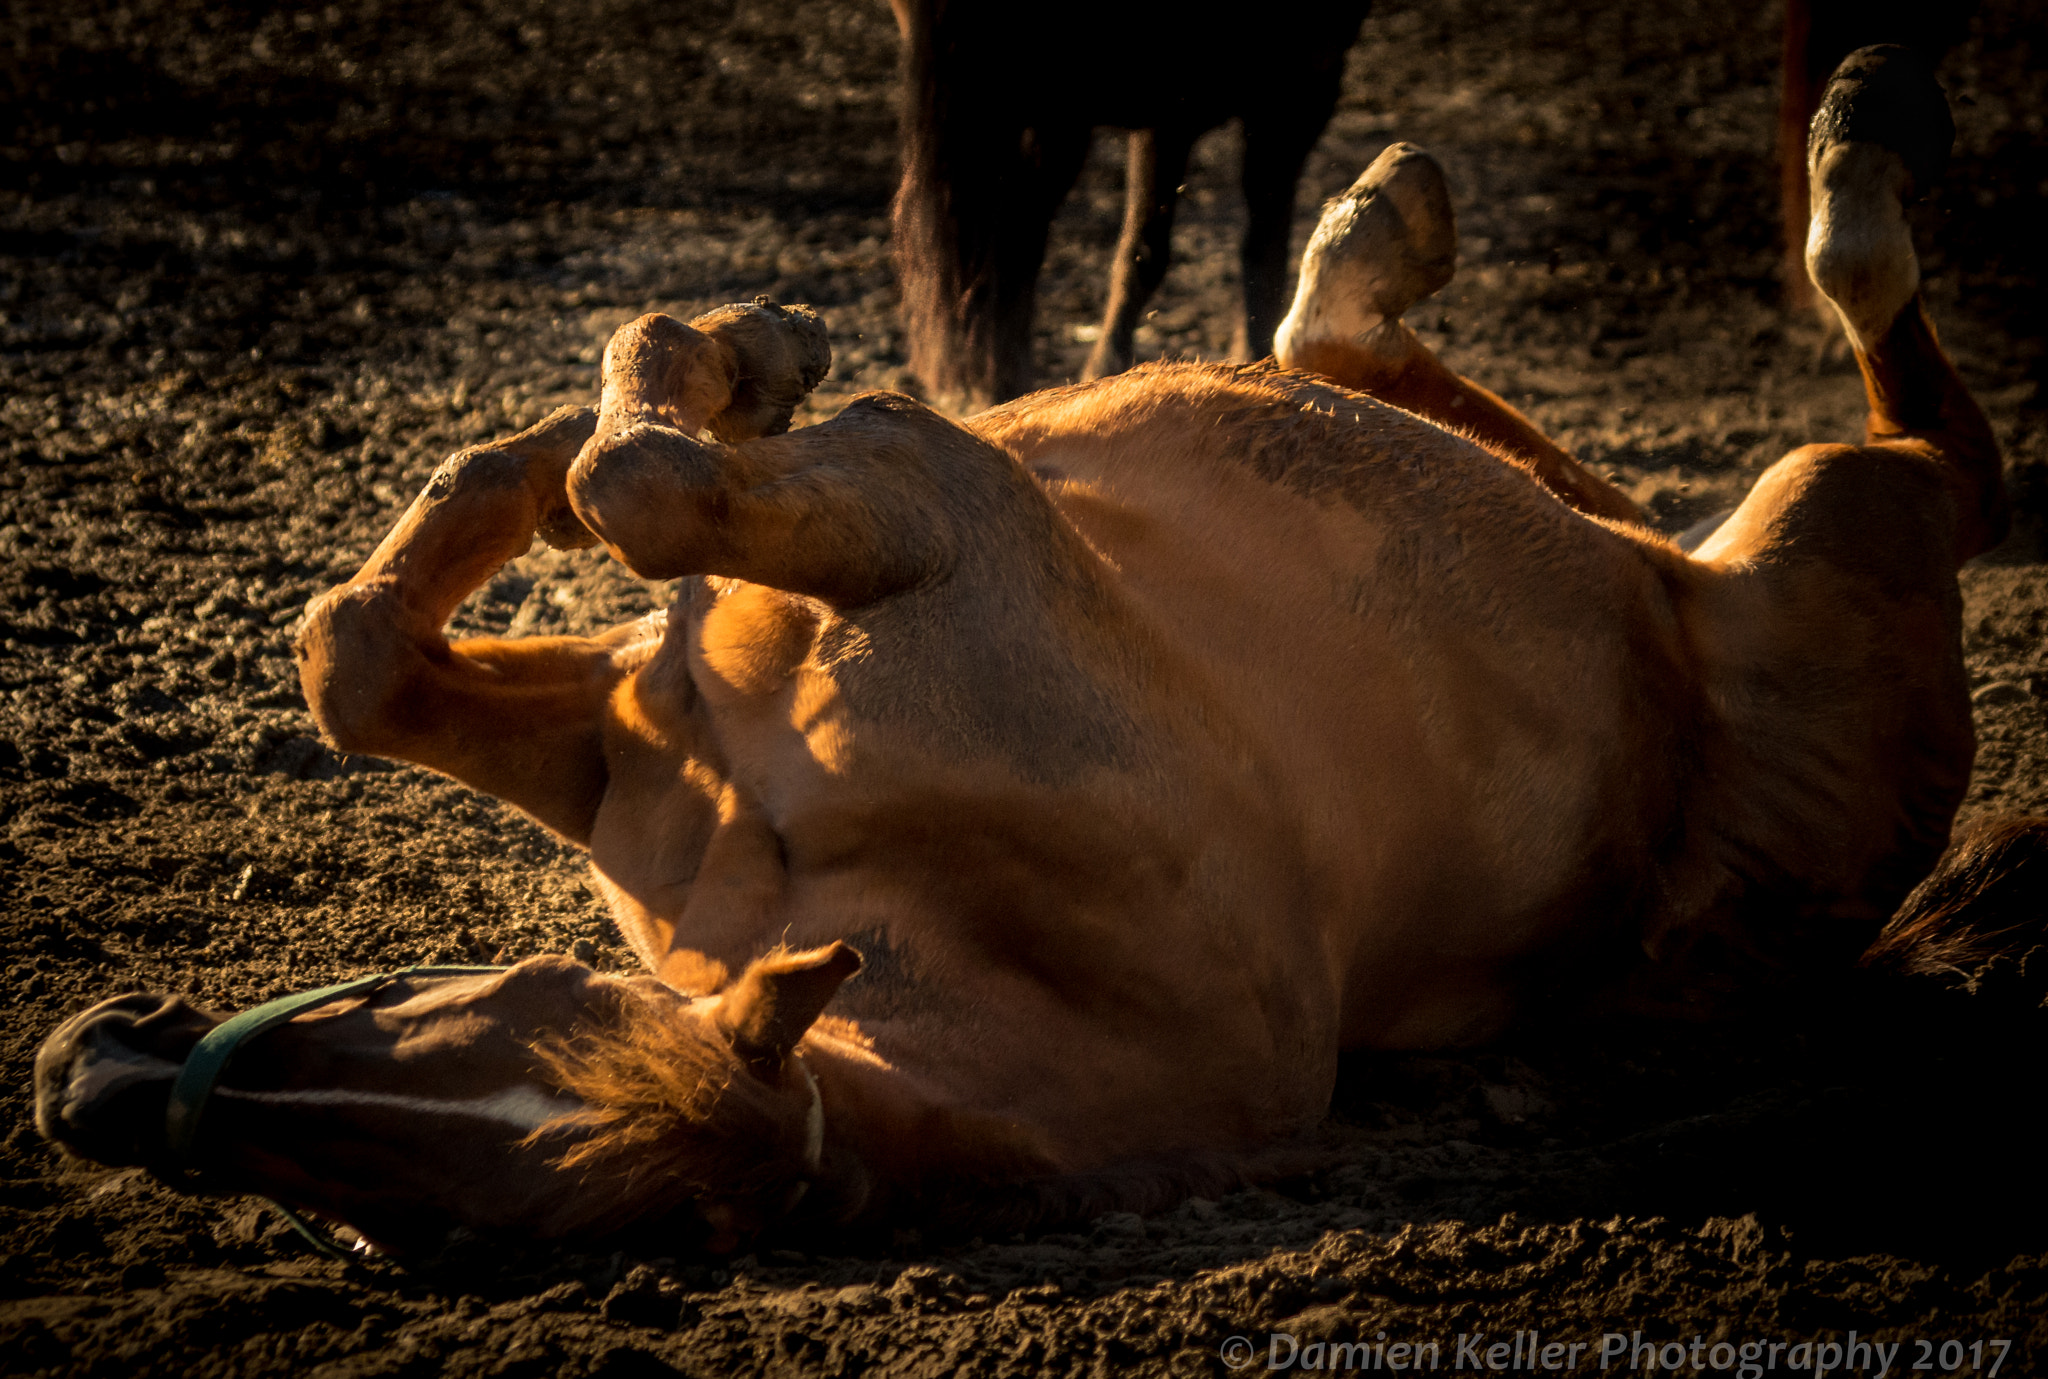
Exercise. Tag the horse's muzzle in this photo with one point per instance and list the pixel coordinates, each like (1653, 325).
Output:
(104, 1077)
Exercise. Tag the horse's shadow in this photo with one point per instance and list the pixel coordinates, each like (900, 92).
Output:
(1898, 1121)
(1895, 1122)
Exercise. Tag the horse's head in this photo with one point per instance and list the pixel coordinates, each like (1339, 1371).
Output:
(545, 1099)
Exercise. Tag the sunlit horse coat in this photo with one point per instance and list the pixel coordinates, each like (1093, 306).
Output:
(1142, 744)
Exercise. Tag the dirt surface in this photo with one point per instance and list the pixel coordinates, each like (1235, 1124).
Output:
(262, 266)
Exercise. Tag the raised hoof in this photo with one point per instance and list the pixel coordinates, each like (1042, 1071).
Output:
(1385, 244)
(739, 371)
(1879, 140)
(783, 352)
(1887, 95)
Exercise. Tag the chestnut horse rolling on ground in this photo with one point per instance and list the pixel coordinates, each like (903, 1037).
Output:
(1140, 744)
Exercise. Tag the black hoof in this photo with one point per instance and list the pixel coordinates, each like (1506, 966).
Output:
(1887, 95)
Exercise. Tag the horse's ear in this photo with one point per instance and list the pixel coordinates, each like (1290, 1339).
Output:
(775, 1000)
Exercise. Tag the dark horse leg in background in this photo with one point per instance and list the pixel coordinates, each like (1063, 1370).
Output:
(984, 171)
(1144, 251)
(1279, 131)
(971, 228)
(1001, 254)
(1282, 120)
(996, 116)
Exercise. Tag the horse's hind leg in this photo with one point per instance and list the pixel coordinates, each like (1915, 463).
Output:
(1385, 244)
(1825, 612)
(885, 496)
(1880, 138)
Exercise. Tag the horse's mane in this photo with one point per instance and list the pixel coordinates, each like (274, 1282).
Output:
(673, 1120)
(670, 1118)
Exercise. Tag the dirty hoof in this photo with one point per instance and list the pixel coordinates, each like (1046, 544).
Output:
(739, 371)
(1384, 245)
(782, 353)
(1879, 140)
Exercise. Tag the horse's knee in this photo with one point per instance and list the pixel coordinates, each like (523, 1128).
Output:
(655, 497)
(479, 509)
(348, 653)
(846, 511)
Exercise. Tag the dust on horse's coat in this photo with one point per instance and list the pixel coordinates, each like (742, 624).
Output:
(1156, 739)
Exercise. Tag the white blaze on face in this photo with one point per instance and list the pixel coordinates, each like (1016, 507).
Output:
(523, 1109)
(109, 1067)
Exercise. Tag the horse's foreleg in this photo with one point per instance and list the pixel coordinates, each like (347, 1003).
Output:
(515, 719)
(1144, 251)
(1382, 246)
(848, 511)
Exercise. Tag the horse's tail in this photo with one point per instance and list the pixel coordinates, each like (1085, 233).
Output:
(1980, 920)
(925, 240)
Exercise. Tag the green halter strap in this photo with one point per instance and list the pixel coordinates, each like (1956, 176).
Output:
(210, 1056)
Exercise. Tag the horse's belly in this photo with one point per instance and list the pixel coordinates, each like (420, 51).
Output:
(1456, 698)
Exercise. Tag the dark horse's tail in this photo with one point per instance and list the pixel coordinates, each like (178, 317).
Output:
(927, 250)
(1980, 920)
(986, 163)
(982, 177)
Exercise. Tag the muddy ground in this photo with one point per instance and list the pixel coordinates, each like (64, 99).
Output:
(265, 264)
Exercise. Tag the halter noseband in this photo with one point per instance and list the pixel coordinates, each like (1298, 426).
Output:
(209, 1058)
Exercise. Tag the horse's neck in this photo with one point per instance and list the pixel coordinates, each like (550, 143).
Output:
(896, 1142)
